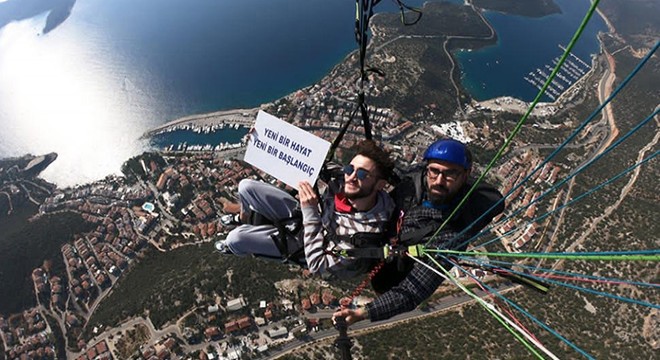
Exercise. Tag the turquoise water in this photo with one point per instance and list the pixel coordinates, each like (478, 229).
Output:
(111, 70)
(525, 44)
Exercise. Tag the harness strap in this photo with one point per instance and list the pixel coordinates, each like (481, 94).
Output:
(258, 219)
(418, 234)
(281, 241)
(366, 252)
(284, 230)
(358, 240)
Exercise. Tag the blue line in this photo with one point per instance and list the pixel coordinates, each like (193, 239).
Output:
(593, 277)
(556, 151)
(578, 288)
(526, 313)
(574, 200)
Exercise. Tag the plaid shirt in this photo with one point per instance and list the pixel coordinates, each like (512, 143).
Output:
(421, 282)
(417, 286)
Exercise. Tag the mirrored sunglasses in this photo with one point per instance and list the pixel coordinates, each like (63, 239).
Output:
(361, 173)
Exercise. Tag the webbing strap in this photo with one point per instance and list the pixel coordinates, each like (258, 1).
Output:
(363, 13)
(281, 238)
(365, 253)
(418, 234)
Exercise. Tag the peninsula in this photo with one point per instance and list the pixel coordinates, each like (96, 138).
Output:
(124, 267)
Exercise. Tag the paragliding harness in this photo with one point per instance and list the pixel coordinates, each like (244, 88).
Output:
(290, 227)
(410, 192)
(364, 12)
(286, 228)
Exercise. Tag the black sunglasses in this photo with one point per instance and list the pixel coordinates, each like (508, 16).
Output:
(361, 173)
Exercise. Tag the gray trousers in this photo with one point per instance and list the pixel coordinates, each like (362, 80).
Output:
(271, 202)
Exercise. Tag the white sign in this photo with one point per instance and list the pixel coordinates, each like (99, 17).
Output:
(284, 151)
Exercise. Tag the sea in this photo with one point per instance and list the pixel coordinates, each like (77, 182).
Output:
(500, 70)
(90, 81)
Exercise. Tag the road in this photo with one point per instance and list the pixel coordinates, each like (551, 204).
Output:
(363, 327)
(604, 91)
(443, 304)
(447, 38)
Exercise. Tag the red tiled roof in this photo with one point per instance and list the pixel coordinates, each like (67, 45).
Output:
(101, 347)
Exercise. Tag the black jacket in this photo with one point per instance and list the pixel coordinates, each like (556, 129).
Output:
(420, 223)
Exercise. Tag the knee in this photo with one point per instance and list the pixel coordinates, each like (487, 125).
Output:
(236, 242)
(247, 185)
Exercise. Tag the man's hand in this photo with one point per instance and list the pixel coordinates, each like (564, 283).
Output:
(307, 195)
(351, 316)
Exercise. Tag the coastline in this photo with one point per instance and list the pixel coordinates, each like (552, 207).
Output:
(246, 117)
(518, 106)
(243, 117)
(511, 104)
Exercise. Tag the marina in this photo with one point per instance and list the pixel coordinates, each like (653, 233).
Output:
(570, 73)
(218, 131)
(199, 129)
(185, 147)
(204, 137)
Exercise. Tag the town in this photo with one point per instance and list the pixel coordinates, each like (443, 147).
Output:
(172, 199)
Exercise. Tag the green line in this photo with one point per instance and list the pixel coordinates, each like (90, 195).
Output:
(485, 306)
(528, 281)
(565, 256)
(522, 120)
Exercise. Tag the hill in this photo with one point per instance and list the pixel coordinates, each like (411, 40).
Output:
(156, 273)
(621, 216)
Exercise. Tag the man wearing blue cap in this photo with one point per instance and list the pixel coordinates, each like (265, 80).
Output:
(430, 197)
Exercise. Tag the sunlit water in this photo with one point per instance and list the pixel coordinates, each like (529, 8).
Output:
(56, 95)
(114, 69)
(91, 87)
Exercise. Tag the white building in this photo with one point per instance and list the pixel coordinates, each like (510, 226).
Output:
(235, 304)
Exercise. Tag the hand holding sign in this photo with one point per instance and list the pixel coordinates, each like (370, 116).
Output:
(284, 151)
(307, 195)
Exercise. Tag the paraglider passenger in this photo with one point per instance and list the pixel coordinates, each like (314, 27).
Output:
(353, 211)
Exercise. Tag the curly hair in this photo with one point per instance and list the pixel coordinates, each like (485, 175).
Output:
(371, 150)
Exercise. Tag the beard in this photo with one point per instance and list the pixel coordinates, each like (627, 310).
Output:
(362, 192)
(440, 195)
